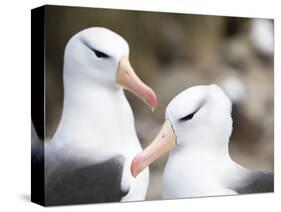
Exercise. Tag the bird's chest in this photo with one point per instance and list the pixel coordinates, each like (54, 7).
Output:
(190, 177)
(97, 136)
(94, 147)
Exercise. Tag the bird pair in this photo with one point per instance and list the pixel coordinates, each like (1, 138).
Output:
(95, 155)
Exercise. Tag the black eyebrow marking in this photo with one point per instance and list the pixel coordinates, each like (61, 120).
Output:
(188, 117)
(98, 53)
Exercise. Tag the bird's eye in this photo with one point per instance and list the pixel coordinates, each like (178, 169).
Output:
(188, 117)
(100, 54)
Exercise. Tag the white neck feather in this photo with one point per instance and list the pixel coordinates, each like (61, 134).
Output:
(96, 117)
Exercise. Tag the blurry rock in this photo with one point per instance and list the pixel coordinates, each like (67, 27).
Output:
(234, 87)
(236, 53)
(262, 36)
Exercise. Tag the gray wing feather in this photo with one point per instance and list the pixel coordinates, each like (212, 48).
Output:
(255, 182)
(72, 184)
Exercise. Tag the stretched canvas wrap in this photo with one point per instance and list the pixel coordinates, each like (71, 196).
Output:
(137, 105)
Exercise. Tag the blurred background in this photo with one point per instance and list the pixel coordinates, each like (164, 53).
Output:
(171, 52)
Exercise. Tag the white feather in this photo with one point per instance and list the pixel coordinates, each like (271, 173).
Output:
(97, 122)
(200, 162)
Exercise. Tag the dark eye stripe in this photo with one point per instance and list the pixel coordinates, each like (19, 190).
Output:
(100, 54)
(188, 117)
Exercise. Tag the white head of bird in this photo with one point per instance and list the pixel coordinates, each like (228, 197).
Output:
(99, 57)
(96, 70)
(199, 118)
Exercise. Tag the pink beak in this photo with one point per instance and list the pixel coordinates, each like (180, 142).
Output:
(127, 78)
(164, 142)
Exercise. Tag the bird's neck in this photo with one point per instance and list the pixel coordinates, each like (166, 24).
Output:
(203, 150)
(94, 113)
(90, 98)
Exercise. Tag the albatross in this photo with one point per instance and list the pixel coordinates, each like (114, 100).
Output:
(196, 132)
(88, 159)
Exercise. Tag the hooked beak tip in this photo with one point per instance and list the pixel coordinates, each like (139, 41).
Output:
(151, 99)
(134, 168)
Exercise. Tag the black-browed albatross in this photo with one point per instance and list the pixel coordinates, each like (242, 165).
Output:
(88, 159)
(196, 132)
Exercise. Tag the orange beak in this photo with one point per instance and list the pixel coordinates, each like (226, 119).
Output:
(127, 78)
(163, 142)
